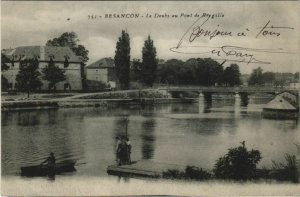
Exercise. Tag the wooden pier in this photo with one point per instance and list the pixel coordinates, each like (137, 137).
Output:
(143, 168)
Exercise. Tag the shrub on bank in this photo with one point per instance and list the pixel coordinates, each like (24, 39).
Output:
(240, 164)
(191, 172)
(237, 164)
(285, 171)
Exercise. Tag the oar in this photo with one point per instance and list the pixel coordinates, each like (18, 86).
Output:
(82, 163)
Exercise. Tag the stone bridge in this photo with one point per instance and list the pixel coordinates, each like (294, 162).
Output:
(242, 91)
(229, 90)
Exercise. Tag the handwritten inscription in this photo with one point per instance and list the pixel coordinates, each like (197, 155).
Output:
(201, 29)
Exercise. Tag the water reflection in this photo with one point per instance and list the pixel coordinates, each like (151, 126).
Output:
(30, 140)
(121, 127)
(88, 134)
(148, 138)
(207, 102)
(28, 118)
(237, 104)
(125, 179)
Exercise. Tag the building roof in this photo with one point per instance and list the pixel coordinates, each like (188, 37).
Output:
(279, 103)
(295, 93)
(43, 53)
(106, 62)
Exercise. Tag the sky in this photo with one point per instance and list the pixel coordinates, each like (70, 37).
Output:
(33, 23)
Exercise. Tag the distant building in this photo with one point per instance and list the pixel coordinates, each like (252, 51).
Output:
(295, 85)
(63, 57)
(103, 71)
(284, 106)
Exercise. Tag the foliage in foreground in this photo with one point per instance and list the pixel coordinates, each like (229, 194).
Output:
(285, 171)
(237, 164)
(191, 172)
(240, 164)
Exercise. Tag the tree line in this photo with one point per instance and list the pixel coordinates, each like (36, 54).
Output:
(191, 72)
(258, 77)
(198, 71)
(194, 71)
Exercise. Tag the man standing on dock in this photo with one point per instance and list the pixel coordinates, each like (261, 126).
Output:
(118, 150)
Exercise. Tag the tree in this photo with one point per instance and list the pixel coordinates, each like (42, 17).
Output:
(192, 72)
(4, 66)
(296, 76)
(256, 77)
(209, 72)
(237, 164)
(268, 78)
(149, 63)
(28, 77)
(136, 70)
(232, 75)
(169, 72)
(122, 60)
(53, 74)
(70, 39)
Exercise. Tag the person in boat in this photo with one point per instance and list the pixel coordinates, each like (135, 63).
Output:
(50, 161)
(128, 146)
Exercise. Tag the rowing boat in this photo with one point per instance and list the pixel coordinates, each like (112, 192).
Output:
(45, 170)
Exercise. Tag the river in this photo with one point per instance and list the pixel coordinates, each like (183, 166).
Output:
(186, 134)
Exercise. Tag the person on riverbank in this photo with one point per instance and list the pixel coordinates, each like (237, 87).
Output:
(128, 147)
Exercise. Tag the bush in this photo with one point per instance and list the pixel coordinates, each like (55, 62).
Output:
(193, 172)
(237, 164)
(285, 171)
(173, 174)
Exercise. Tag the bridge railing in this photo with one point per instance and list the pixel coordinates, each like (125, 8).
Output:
(249, 89)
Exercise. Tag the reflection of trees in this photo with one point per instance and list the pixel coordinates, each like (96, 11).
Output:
(148, 138)
(52, 116)
(28, 118)
(209, 126)
(183, 108)
(6, 118)
(120, 126)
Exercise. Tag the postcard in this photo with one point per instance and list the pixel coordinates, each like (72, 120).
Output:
(115, 98)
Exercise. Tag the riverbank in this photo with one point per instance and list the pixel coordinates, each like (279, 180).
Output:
(99, 99)
(69, 103)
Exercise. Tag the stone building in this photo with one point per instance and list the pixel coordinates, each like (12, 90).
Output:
(63, 57)
(103, 71)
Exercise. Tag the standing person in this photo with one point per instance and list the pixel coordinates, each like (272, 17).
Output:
(123, 152)
(128, 145)
(118, 150)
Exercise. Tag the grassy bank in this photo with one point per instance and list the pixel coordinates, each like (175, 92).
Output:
(237, 166)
